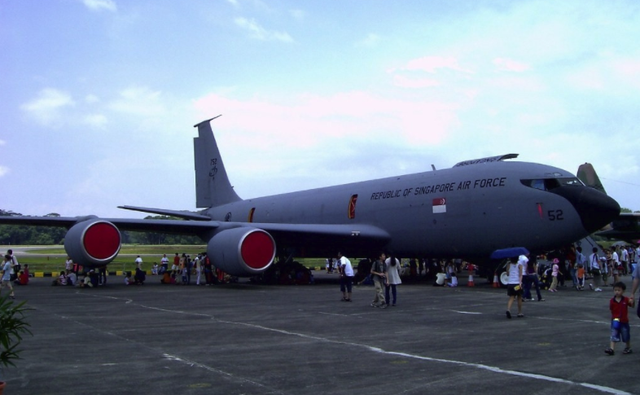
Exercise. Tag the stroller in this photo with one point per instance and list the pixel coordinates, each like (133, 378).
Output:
(545, 276)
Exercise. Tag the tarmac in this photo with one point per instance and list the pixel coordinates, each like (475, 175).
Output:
(256, 339)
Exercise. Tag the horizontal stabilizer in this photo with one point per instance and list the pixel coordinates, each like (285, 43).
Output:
(172, 213)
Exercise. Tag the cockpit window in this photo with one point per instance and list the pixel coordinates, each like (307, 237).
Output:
(547, 184)
(573, 181)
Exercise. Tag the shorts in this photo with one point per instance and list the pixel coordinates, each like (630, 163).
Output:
(511, 290)
(346, 283)
(620, 334)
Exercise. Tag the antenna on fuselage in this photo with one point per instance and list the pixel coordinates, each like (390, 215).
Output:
(433, 167)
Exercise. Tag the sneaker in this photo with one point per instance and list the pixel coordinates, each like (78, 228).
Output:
(591, 287)
(508, 314)
(598, 290)
(373, 305)
(609, 351)
(520, 315)
(627, 351)
(383, 306)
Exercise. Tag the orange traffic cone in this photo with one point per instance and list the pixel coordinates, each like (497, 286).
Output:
(470, 282)
(496, 281)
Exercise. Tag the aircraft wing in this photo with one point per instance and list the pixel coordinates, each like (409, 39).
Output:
(306, 235)
(142, 225)
(626, 227)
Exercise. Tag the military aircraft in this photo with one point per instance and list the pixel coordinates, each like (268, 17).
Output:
(468, 211)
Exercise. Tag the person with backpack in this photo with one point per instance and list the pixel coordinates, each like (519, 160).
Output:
(379, 276)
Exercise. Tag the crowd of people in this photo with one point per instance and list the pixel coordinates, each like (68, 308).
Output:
(571, 263)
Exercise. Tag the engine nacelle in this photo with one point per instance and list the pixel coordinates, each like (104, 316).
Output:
(94, 242)
(242, 251)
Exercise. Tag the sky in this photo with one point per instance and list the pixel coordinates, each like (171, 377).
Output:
(99, 97)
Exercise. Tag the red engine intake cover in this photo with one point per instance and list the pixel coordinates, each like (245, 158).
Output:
(93, 242)
(242, 251)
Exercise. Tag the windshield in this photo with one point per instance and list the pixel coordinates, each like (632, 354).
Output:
(547, 184)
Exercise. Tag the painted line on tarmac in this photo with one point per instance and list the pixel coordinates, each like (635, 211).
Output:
(467, 312)
(493, 369)
(449, 361)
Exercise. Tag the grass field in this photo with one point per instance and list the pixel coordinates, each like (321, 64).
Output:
(52, 258)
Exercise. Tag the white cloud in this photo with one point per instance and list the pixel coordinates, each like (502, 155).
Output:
(95, 120)
(99, 5)
(233, 3)
(3, 170)
(46, 108)
(258, 32)
(510, 65)
(405, 82)
(431, 64)
(343, 116)
(91, 99)
(298, 14)
(370, 41)
(139, 101)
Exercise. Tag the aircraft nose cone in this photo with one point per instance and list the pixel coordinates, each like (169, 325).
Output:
(595, 208)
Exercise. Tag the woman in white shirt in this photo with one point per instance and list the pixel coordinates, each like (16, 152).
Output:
(514, 286)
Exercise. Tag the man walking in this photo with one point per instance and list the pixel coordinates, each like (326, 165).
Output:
(379, 277)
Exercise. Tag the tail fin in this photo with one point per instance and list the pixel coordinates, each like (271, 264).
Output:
(212, 184)
(587, 174)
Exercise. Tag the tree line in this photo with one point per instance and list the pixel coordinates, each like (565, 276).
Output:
(47, 235)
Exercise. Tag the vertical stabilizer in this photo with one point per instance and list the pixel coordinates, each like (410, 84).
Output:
(587, 174)
(212, 184)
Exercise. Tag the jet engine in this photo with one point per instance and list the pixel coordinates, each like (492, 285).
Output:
(242, 251)
(93, 242)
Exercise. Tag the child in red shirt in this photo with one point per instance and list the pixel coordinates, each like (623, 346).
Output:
(619, 305)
